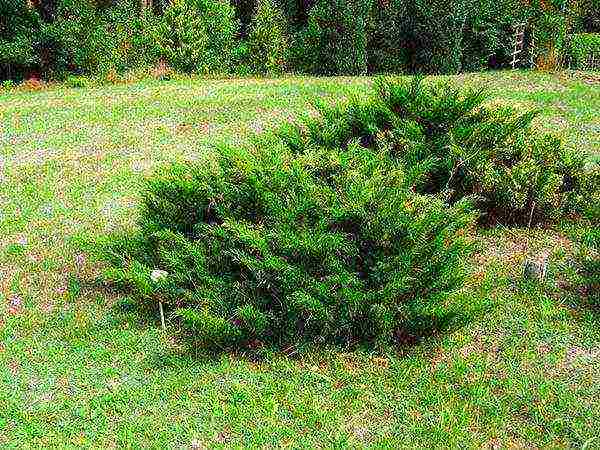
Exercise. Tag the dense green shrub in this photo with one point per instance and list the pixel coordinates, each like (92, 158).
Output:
(53, 47)
(550, 21)
(464, 35)
(183, 38)
(81, 39)
(17, 53)
(198, 35)
(583, 47)
(436, 29)
(267, 41)
(84, 38)
(264, 244)
(76, 81)
(335, 39)
(132, 41)
(385, 33)
(460, 148)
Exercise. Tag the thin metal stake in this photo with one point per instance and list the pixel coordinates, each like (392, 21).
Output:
(162, 315)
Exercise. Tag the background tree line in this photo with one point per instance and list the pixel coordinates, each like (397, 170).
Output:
(53, 38)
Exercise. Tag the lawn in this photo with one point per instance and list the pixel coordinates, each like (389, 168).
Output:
(515, 365)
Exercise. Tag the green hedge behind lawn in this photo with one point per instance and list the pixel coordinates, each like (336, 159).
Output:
(318, 37)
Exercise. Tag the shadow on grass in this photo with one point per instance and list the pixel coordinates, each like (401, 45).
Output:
(422, 330)
(429, 326)
(181, 348)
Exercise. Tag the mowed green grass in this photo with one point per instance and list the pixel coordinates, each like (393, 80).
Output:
(517, 365)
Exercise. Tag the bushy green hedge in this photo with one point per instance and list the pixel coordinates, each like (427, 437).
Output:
(80, 39)
(83, 38)
(459, 147)
(488, 34)
(583, 47)
(385, 31)
(416, 36)
(198, 35)
(265, 244)
(439, 36)
(325, 37)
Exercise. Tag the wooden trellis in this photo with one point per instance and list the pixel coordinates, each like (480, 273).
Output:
(519, 48)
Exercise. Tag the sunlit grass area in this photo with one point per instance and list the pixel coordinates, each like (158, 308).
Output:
(515, 364)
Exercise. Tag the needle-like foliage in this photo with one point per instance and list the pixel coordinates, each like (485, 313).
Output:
(264, 244)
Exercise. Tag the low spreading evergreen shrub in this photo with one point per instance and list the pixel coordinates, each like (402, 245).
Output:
(263, 244)
(459, 147)
(76, 81)
(7, 85)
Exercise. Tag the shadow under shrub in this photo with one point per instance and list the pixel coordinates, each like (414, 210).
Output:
(456, 146)
(262, 244)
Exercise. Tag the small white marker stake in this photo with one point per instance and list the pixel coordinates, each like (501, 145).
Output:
(156, 276)
(162, 316)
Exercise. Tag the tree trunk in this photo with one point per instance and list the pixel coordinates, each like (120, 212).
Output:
(146, 5)
(46, 8)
